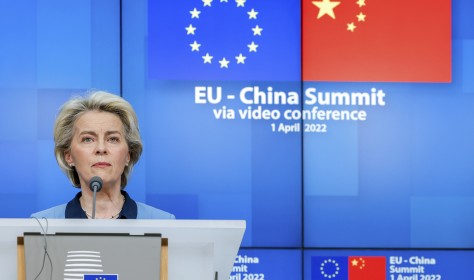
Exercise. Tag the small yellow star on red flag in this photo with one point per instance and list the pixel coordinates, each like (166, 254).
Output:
(351, 27)
(361, 16)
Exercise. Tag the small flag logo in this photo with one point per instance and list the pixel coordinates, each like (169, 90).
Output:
(100, 277)
(348, 268)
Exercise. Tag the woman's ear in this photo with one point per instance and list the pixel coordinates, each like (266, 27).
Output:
(127, 160)
(68, 158)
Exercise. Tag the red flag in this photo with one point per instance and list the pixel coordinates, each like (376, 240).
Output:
(380, 41)
(366, 268)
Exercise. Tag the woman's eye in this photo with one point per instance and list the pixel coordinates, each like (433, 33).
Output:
(86, 139)
(114, 139)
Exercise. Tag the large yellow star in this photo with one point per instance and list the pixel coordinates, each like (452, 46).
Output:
(326, 7)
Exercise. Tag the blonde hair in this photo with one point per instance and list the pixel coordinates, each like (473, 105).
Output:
(95, 101)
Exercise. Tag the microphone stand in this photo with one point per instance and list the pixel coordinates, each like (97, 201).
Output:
(95, 185)
(93, 202)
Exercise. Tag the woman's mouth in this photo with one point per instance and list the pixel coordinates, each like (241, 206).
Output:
(101, 164)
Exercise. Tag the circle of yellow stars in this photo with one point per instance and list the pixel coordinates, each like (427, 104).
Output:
(224, 62)
(326, 7)
(326, 262)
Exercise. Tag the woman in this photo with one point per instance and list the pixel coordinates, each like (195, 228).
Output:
(98, 135)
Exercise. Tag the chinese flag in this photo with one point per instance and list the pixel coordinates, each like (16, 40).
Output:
(377, 41)
(366, 268)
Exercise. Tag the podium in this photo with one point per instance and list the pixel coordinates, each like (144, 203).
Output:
(197, 249)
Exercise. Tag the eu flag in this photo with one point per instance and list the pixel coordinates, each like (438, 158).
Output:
(100, 276)
(324, 267)
(235, 40)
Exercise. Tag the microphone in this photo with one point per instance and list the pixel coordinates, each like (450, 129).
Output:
(95, 185)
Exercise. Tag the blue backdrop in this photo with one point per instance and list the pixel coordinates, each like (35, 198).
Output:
(402, 179)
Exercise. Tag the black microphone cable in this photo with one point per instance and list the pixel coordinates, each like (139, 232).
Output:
(46, 253)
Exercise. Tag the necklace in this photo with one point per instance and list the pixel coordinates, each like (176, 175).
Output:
(113, 216)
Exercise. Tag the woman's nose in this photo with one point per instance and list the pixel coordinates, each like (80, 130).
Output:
(101, 147)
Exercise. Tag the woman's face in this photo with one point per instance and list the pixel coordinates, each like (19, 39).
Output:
(98, 148)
